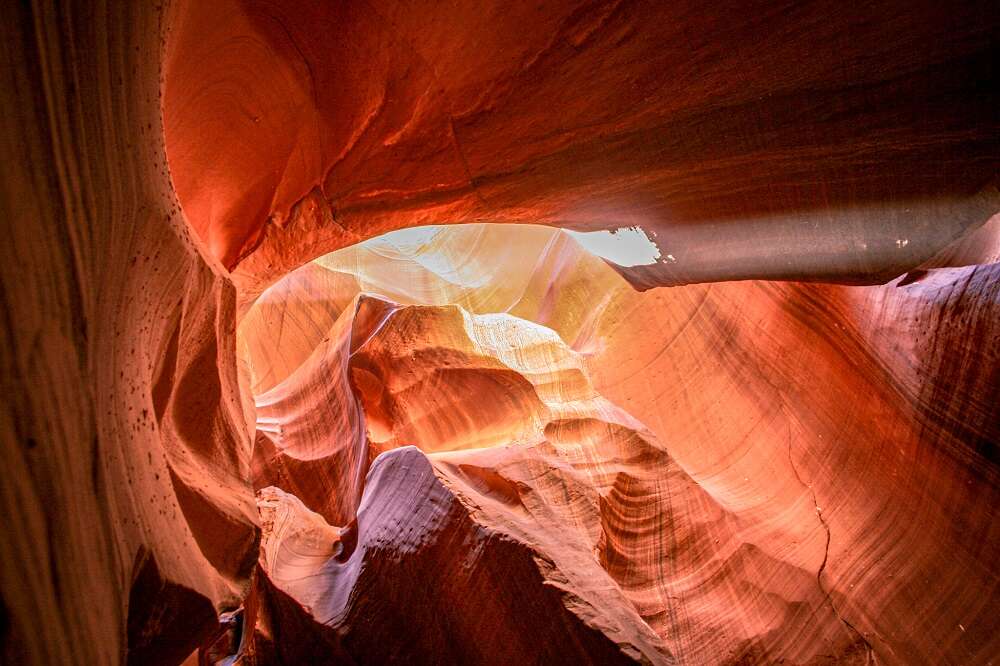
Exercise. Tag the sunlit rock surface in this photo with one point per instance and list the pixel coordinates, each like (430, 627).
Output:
(521, 442)
(223, 444)
(770, 507)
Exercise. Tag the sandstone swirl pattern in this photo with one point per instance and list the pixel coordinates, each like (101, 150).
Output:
(757, 551)
(775, 443)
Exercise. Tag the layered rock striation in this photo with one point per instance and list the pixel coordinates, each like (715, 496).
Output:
(482, 445)
(785, 482)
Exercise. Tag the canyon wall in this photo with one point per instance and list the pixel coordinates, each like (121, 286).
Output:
(752, 140)
(130, 520)
(719, 472)
(813, 435)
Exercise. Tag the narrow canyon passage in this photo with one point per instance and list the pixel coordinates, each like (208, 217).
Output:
(341, 332)
(493, 351)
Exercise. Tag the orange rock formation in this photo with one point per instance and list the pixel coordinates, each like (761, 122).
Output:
(240, 425)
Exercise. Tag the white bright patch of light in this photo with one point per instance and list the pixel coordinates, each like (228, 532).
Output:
(627, 246)
(409, 240)
(422, 246)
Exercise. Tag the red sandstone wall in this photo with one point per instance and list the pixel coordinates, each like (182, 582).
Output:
(803, 141)
(129, 518)
(807, 142)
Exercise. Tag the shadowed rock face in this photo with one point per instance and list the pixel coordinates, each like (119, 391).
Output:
(798, 141)
(486, 446)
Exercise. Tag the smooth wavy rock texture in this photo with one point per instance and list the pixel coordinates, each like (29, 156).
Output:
(768, 533)
(548, 465)
(795, 142)
(736, 400)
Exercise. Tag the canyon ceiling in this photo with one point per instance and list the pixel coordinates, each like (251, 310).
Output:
(316, 347)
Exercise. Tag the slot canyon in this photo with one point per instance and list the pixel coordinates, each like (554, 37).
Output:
(583, 332)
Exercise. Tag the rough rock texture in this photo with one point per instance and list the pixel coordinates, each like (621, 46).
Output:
(751, 471)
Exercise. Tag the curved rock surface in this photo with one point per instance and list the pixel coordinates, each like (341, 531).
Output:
(130, 516)
(639, 551)
(791, 479)
(799, 141)
(484, 445)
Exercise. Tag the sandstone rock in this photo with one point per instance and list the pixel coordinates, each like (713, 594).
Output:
(719, 472)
